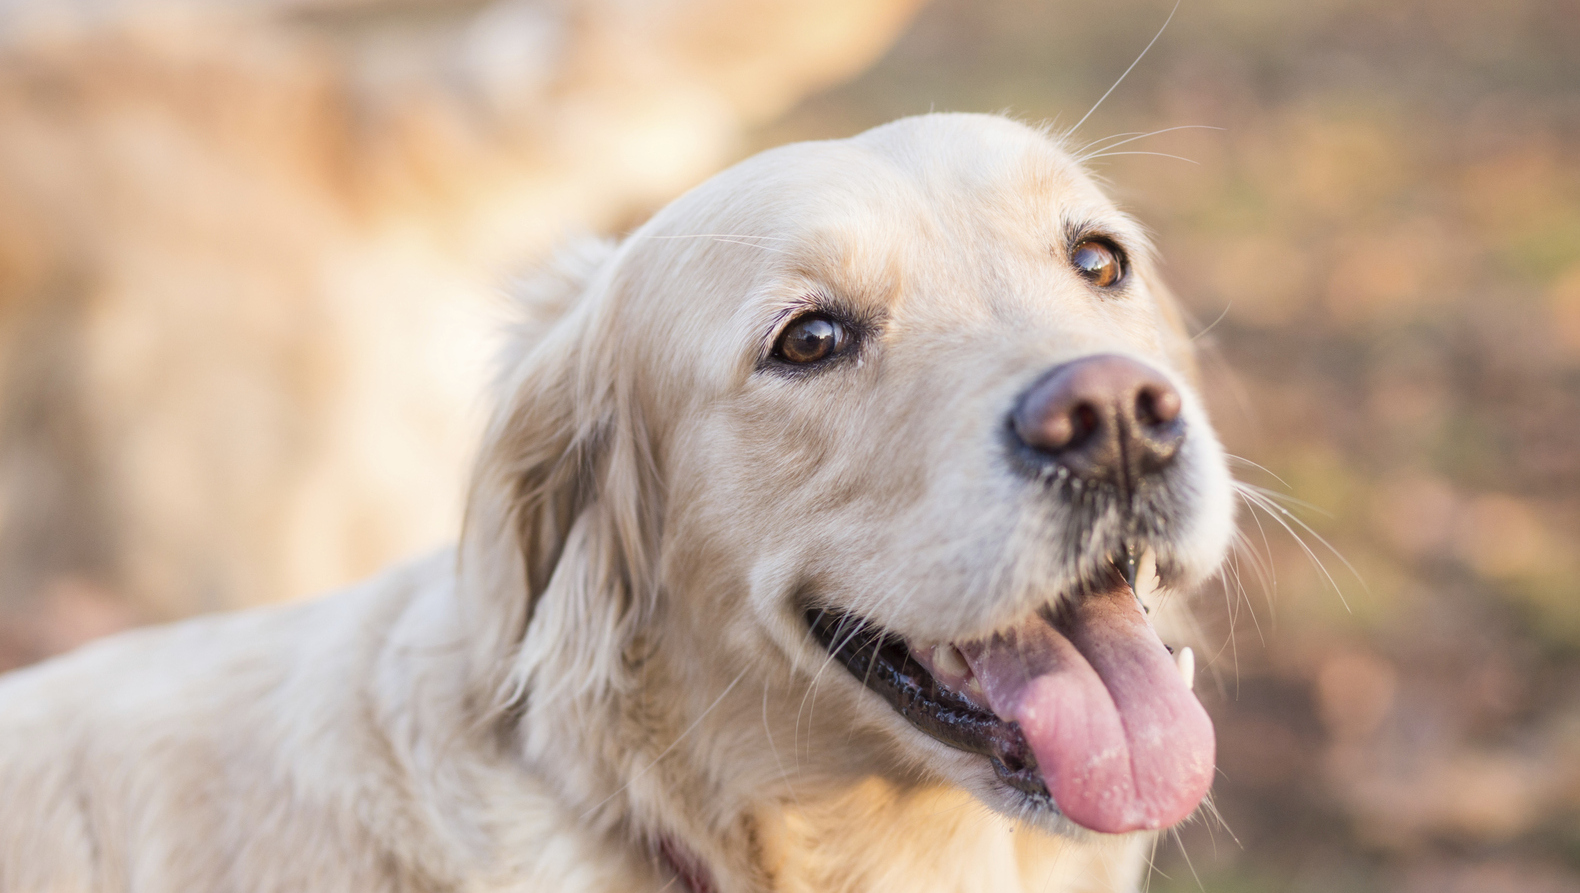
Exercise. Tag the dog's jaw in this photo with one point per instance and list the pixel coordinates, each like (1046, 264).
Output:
(1080, 708)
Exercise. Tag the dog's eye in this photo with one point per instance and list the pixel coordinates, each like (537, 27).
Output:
(1099, 262)
(811, 338)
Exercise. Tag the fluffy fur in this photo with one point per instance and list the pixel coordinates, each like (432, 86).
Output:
(612, 664)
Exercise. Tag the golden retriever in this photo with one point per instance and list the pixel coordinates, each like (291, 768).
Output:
(811, 548)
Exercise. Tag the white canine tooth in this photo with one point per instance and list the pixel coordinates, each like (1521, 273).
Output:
(1185, 661)
(974, 685)
(947, 659)
(1146, 574)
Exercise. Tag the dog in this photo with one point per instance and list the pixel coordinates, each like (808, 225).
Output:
(825, 538)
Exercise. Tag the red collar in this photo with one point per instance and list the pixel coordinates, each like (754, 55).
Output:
(686, 865)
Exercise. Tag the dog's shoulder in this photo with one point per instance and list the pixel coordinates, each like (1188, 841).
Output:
(117, 758)
(145, 677)
(328, 744)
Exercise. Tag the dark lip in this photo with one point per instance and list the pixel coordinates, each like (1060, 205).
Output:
(882, 662)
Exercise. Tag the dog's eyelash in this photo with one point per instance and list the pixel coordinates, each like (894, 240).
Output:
(1076, 234)
(859, 328)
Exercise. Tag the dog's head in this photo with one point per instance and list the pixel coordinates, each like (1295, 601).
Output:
(905, 418)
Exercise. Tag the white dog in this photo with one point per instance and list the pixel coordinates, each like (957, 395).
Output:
(807, 551)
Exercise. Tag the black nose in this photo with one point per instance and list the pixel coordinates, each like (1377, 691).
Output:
(1104, 417)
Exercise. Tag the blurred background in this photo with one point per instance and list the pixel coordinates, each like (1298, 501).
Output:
(250, 255)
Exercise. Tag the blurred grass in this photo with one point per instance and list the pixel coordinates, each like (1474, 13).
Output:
(1389, 225)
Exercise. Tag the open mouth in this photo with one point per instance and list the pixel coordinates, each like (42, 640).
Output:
(1080, 707)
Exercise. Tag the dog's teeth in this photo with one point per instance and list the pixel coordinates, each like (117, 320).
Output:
(947, 659)
(1147, 574)
(1185, 660)
(974, 685)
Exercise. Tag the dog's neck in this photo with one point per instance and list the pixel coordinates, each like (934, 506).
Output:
(694, 797)
(876, 837)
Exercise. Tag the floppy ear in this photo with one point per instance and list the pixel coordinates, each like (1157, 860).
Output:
(564, 493)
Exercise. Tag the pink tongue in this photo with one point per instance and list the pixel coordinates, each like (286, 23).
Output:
(1121, 742)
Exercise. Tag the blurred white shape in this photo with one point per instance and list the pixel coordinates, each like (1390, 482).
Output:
(250, 252)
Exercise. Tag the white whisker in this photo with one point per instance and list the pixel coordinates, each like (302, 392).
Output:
(1080, 154)
(769, 734)
(1241, 460)
(672, 745)
(747, 244)
(1211, 811)
(1158, 154)
(1133, 136)
(749, 241)
(1212, 325)
(1245, 598)
(721, 236)
(1254, 497)
(1128, 70)
(1175, 833)
(1289, 500)
(1152, 864)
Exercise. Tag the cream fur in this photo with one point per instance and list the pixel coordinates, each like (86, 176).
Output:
(613, 656)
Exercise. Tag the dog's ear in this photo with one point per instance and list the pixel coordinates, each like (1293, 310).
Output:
(564, 493)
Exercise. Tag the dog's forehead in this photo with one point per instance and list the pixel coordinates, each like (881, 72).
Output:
(953, 178)
(941, 219)
(962, 190)
(994, 163)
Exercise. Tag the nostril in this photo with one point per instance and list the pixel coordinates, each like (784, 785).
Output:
(1064, 429)
(1157, 406)
(1085, 422)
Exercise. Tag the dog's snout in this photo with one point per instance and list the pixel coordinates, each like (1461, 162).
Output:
(1104, 417)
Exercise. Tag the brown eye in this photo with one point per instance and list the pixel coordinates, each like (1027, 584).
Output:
(811, 338)
(1099, 262)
